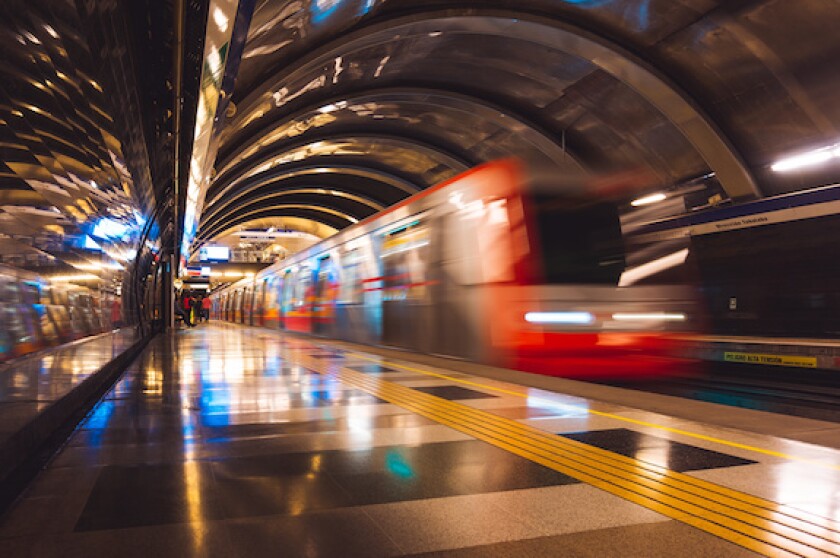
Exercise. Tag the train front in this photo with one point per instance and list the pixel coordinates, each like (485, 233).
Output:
(590, 300)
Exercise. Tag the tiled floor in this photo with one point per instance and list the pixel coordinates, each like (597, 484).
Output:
(222, 442)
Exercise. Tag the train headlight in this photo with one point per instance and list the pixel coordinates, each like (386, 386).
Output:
(573, 318)
(648, 317)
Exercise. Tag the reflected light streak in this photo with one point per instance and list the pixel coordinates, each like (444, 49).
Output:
(398, 466)
(647, 200)
(565, 410)
(636, 274)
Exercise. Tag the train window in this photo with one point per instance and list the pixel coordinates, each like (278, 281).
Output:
(302, 287)
(350, 289)
(579, 242)
(288, 290)
(405, 262)
(477, 243)
(259, 291)
(325, 285)
(271, 295)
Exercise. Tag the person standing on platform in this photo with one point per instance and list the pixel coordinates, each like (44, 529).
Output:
(196, 309)
(186, 308)
(206, 305)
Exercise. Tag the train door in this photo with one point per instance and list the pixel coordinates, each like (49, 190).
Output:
(247, 305)
(323, 304)
(286, 297)
(407, 306)
(460, 317)
(476, 270)
(272, 302)
(257, 306)
(299, 317)
(358, 308)
(237, 306)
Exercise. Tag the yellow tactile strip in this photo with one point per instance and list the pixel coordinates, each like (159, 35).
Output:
(646, 424)
(757, 524)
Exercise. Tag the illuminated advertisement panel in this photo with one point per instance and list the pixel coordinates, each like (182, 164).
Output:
(214, 254)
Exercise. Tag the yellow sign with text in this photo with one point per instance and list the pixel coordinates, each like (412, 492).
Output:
(772, 360)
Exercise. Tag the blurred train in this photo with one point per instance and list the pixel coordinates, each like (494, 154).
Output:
(479, 268)
(37, 313)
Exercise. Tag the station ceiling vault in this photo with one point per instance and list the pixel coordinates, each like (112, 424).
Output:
(330, 110)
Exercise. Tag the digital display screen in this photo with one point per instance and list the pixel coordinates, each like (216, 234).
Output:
(214, 254)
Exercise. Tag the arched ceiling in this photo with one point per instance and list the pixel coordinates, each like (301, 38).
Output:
(342, 107)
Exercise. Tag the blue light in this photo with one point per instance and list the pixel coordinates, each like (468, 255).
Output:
(323, 9)
(98, 421)
(397, 465)
(366, 6)
(642, 14)
(91, 244)
(109, 228)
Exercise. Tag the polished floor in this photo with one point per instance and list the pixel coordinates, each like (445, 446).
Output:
(231, 441)
(32, 383)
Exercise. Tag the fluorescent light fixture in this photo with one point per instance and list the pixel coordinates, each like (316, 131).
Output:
(809, 159)
(578, 318)
(647, 200)
(648, 317)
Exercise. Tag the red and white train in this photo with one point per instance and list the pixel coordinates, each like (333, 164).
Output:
(479, 268)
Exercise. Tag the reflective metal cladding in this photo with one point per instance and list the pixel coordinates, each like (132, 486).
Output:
(73, 212)
(630, 97)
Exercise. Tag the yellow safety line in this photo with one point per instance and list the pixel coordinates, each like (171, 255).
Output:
(729, 514)
(611, 415)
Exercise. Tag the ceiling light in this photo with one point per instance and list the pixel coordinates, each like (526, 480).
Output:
(809, 159)
(647, 200)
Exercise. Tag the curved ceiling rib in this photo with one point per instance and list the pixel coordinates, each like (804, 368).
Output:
(408, 112)
(227, 195)
(677, 106)
(212, 220)
(320, 214)
(361, 143)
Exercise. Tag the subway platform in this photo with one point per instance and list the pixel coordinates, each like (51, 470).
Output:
(226, 440)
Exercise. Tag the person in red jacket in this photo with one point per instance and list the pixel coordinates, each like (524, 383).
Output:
(186, 309)
(206, 305)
